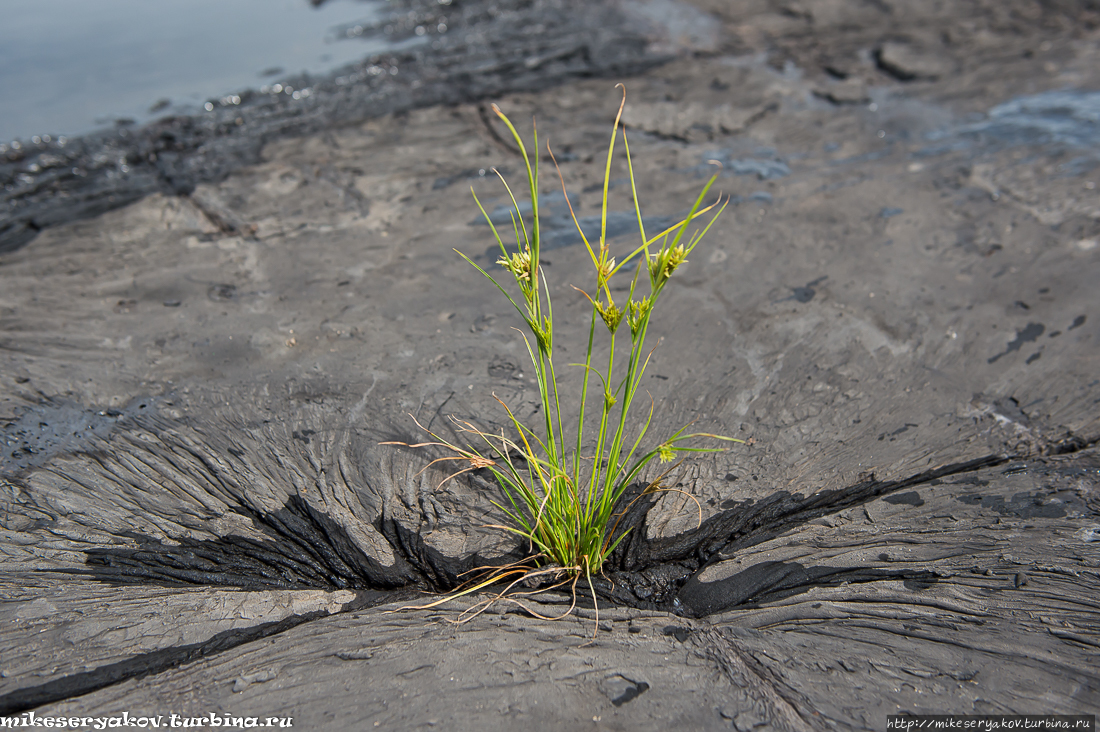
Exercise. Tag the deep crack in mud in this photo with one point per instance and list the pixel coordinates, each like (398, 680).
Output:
(308, 549)
(142, 665)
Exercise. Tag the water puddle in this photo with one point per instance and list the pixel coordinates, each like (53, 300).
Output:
(68, 67)
(1068, 118)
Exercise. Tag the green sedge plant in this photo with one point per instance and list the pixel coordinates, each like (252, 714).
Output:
(560, 491)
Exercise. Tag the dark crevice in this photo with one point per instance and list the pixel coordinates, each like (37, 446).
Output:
(154, 662)
(660, 574)
(438, 572)
(308, 549)
(145, 664)
(773, 581)
(750, 523)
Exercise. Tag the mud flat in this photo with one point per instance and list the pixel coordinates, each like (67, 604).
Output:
(898, 308)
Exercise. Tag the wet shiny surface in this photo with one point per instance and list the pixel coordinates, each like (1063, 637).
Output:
(69, 66)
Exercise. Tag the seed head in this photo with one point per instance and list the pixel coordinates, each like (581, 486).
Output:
(611, 315)
(519, 265)
(664, 263)
(655, 267)
(638, 311)
(609, 400)
(666, 454)
(676, 257)
(544, 332)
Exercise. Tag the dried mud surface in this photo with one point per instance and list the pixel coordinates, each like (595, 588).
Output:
(898, 308)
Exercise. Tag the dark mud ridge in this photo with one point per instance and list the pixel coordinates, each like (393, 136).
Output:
(488, 48)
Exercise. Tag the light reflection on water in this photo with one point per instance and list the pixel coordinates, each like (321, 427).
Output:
(71, 66)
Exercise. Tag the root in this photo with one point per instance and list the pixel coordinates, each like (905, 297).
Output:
(515, 574)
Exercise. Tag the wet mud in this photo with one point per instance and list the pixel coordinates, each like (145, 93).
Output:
(898, 314)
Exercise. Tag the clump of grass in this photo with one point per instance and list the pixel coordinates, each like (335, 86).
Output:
(560, 493)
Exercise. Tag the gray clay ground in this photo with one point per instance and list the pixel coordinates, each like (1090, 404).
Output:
(899, 308)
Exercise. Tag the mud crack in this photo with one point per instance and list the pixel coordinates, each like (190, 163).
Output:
(145, 664)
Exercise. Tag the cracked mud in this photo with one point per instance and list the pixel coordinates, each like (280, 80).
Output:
(898, 308)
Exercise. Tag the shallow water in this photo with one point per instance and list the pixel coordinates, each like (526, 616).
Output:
(1064, 118)
(1068, 117)
(71, 66)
